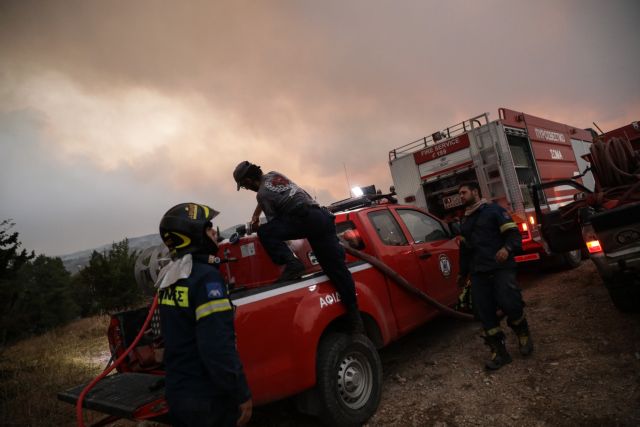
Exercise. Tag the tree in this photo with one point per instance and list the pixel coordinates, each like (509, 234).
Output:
(11, 261)
(46, 296)
(108, 282)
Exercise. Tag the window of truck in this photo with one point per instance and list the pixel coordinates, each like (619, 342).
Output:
(387, 228)
(422, 227)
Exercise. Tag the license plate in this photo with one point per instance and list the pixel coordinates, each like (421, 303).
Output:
(451, 201)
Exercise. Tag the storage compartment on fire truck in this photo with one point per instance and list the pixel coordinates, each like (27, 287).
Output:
(252, 266)
(442, 193)
(524, 164)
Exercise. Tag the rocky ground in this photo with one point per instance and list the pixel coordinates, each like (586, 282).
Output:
(585, 369)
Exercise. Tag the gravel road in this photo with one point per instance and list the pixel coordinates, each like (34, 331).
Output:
(585, 369)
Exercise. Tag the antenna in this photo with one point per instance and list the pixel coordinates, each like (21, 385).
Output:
(347, 178)
(598, 127)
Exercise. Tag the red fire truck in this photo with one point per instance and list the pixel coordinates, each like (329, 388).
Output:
(506, 156)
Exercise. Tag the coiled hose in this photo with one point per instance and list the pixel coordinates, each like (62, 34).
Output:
(110, 368)
(616, 166)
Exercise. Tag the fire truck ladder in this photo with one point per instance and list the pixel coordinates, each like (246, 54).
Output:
(494, 165)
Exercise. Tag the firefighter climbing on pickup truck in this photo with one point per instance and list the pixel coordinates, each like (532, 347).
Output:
(205, 382)
(292, 214)
(489, 240)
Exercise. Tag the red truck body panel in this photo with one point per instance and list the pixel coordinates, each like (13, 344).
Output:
(551, 145)
(630, 132)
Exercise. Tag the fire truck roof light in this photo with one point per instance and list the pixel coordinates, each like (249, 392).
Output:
(357, 191)
(594, 246)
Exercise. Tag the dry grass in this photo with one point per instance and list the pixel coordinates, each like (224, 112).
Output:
(33, 371)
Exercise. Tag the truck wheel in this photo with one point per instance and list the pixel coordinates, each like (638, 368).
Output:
(349, 379)
(572, 259)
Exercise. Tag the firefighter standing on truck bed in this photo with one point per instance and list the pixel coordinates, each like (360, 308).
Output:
(489, 240)
(205, 382)
(292, 214)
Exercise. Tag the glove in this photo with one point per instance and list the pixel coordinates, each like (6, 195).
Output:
(461, 281)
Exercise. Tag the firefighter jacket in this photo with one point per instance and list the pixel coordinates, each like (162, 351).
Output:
(200, 356)
(484, 232)
(278, 195)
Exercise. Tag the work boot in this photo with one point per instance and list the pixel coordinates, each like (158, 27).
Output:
(521, 328)
(499, 354)
(293, 269)
(355, 324)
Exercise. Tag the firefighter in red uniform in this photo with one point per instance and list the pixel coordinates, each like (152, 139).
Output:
(489, 240)
(205, 382)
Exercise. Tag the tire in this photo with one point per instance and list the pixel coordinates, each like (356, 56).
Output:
(349, 379)
(572, 259)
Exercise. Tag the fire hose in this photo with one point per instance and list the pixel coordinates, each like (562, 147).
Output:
(111, 367)
(404, 283)
(617, 168)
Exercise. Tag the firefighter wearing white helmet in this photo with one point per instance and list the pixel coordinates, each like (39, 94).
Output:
(205, 382)
(292, 214)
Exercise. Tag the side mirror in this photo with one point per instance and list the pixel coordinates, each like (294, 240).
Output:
(352, 237)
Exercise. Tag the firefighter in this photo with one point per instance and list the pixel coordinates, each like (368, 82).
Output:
(489, 240)
(292, 214)
(205, 382)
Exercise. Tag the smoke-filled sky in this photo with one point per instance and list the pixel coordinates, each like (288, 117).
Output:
(111, 112)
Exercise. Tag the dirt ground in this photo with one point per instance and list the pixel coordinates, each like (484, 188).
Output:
(585, 369)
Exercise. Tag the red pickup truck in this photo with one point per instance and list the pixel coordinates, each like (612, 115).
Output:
(291, 336)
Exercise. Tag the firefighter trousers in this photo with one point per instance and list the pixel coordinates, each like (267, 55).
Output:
(317, 225)
(495, 290)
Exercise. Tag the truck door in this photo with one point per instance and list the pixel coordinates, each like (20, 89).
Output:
(436, 251)
(393, 248)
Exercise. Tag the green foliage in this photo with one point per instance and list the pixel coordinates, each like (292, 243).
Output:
(11, 260)
(40, 294)
(35, 294)
(107, 283)
(46, 297)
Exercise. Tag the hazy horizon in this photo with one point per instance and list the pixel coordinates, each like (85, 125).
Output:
(112, 112)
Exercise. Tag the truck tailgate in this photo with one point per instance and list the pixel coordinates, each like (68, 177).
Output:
(121, 395)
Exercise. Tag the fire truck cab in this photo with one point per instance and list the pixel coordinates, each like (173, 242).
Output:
(506, 156)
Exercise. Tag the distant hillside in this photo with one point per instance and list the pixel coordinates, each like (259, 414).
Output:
(77, 260)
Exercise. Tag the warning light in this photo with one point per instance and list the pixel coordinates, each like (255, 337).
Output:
(524, 226)
(532, 220)
(594, 246)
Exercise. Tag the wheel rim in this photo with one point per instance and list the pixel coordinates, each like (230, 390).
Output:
(355, 380)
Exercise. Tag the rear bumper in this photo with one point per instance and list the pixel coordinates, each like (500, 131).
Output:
(531, 251)
(611, 266)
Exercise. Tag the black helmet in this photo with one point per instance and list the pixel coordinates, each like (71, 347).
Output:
(246, 169)
(183, 227)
